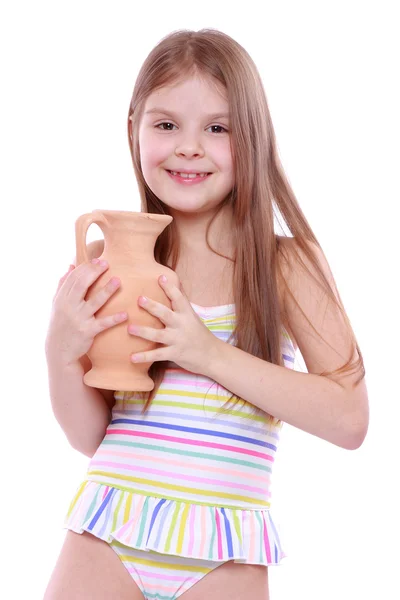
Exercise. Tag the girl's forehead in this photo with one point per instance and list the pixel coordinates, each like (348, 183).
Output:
(189, 86)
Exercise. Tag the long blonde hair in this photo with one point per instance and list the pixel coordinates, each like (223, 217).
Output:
(260, 183)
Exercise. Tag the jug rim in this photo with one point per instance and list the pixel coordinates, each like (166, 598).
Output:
(154, 216)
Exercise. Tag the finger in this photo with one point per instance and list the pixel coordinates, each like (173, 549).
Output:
(157, 309)
(62, 279)
(104, 323)
(174, 294)
(84, 276)
(102, 296)
(148, 333)
(151, 356)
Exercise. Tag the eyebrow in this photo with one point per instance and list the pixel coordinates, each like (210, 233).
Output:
(174, 115)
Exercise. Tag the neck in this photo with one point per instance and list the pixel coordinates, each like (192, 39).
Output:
(192, 229)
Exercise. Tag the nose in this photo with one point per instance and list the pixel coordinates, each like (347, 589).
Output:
(189, 148)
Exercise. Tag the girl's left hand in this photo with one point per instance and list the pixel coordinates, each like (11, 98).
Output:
(186, 340)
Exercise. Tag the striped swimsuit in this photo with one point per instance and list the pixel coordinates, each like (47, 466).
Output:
(180, 490)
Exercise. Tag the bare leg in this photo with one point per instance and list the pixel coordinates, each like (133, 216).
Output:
(231, 581)
(88, 568)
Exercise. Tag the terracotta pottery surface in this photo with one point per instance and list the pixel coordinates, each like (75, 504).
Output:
(129, 240)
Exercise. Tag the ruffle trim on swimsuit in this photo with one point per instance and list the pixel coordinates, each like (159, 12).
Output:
(174, 527)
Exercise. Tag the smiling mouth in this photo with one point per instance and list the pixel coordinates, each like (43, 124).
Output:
(177, 173)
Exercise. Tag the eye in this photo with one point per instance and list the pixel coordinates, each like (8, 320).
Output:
(161, 126)
(165, 123)
(220, 127)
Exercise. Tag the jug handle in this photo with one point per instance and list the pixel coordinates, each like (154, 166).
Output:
(82, 225)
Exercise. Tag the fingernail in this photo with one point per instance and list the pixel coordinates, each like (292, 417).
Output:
(163, 279)
(95, 261)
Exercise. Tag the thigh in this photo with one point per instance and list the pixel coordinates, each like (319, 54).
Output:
(231, 581)
(88, 568)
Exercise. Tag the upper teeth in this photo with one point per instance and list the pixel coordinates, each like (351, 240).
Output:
(189, 175)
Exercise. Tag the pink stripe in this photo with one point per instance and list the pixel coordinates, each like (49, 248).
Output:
(191, 528)
(155, 575)
(105, 492)
(264, 479)
(203, 529)
(131, 523)
(248, 524)
(176, 476)
(186, 382)
(266, 540)
(252, 549)
(217, 521)
(157, 436)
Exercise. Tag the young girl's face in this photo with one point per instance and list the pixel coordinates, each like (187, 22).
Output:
(185, 127)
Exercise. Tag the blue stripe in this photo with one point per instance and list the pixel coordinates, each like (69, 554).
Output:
(162, 413)
(228, 534)
(107, 519)
(275, 531)
(288, 358)
(161, 524)
(102, 507)
(154, 515)
(222, 434)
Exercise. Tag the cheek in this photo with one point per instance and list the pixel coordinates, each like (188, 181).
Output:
(152, 152)
(225, 156)
(150, 159)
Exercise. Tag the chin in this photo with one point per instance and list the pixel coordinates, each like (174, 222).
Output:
(192, 207)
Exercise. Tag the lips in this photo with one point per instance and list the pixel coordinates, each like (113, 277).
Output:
(187, 181)
(189, 172)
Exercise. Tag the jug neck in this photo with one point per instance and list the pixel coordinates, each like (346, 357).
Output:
(133, 235)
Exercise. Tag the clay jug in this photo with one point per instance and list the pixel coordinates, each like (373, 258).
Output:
(129, 240)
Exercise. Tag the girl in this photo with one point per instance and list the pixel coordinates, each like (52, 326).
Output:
(176, 500)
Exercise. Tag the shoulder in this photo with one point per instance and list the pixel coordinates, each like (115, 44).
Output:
(304, 297)
(315, 313)
(290, 249)
(285, 249)
(303, 265)
(301, 280)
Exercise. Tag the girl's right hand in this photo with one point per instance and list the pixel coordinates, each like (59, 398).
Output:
(73, 325)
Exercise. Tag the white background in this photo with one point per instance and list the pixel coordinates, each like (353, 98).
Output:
(330, 71)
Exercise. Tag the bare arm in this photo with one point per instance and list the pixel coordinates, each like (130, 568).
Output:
(311, 402)
(327, 407)
(83, 412)
(95, 249)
